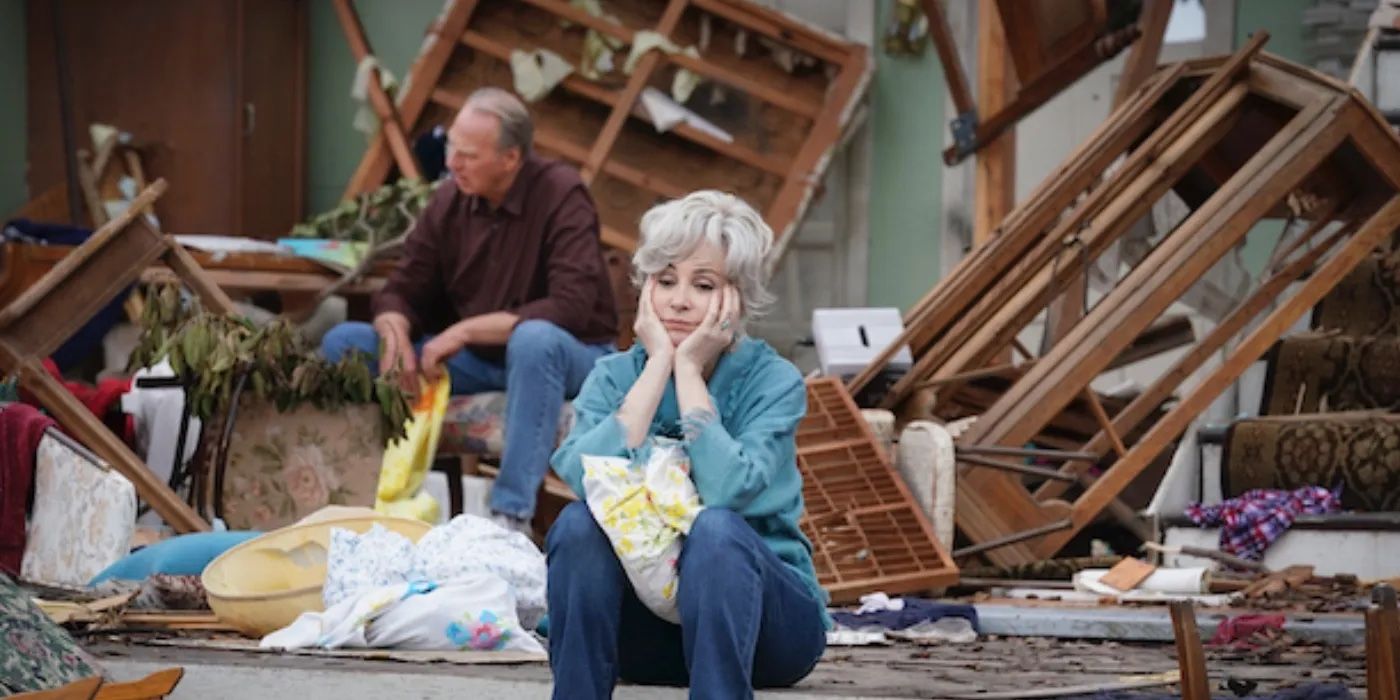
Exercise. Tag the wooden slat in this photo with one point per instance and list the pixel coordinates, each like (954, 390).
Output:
(969, 278)
(1181, 258)
(213, 298)
(156, 685)
(788, 204)
(1084, 168)
(1183, 255)
(426, 70)
(1147, 401)
(1105, 423)
(390, 127)
(1376, 229)
(776, 26)
(1142, 58)
(954, 75)
(641, 75)
(70, 263)
(586, 88)
(573, 82)
(1020, 294)
(994, 194)
(709, 70)
(81, 689)
(576, 153)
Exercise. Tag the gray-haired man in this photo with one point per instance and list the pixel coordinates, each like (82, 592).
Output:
(503, 284)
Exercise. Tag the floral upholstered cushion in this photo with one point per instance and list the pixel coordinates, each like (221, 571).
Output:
(284, 466)
(475, 424)
(83, 517)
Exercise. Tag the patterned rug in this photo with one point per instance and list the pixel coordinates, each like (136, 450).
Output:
(1358, 450)
(1326, 372)
(1366, 301)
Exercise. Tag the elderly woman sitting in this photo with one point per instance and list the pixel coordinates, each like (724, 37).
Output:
(751, 612)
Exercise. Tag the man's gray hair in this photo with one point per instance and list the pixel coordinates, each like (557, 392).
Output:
(671, 231)
(517, 131)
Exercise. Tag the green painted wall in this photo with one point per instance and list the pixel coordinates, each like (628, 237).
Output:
(395, 29)
(907, 175)
(12, 107)
(1283, 20)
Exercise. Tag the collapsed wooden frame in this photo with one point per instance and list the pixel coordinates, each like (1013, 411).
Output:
(783, 137)
(1240, 139)
(68, 296)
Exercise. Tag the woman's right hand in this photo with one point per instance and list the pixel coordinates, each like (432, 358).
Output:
(648, 327)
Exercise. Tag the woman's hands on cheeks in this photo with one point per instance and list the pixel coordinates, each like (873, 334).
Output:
(714, 335)
(648, 328)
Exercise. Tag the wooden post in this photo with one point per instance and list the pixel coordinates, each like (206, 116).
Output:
(995, 191)
(1190, 657)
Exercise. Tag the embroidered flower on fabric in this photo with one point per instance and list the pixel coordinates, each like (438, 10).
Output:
(483, 633)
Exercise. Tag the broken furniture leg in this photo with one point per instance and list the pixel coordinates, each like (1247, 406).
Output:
(1240, 139)
(1190, 657)
(1383, 645)
(55, 307)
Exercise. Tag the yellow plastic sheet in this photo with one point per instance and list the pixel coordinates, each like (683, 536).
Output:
(408, 459)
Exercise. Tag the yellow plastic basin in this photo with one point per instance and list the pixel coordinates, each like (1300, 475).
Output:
(262, 585)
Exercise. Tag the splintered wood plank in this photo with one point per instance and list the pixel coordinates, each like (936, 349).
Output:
(867, 531)
(779, 149)
(1314, 135)
(1181, 258)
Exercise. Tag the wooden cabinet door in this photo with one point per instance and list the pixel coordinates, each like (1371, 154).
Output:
(210, 90)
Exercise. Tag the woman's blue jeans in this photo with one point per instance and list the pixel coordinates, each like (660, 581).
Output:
(747, 620)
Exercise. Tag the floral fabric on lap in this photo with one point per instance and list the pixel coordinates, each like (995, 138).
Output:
(646, 510)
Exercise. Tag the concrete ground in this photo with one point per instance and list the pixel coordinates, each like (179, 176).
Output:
(992, 665)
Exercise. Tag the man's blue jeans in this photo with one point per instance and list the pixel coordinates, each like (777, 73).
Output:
(544, 366)
(747, 621)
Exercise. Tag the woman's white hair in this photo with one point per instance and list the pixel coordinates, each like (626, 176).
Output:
(671, 231)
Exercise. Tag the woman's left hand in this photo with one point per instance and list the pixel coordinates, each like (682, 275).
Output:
(714, 335)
